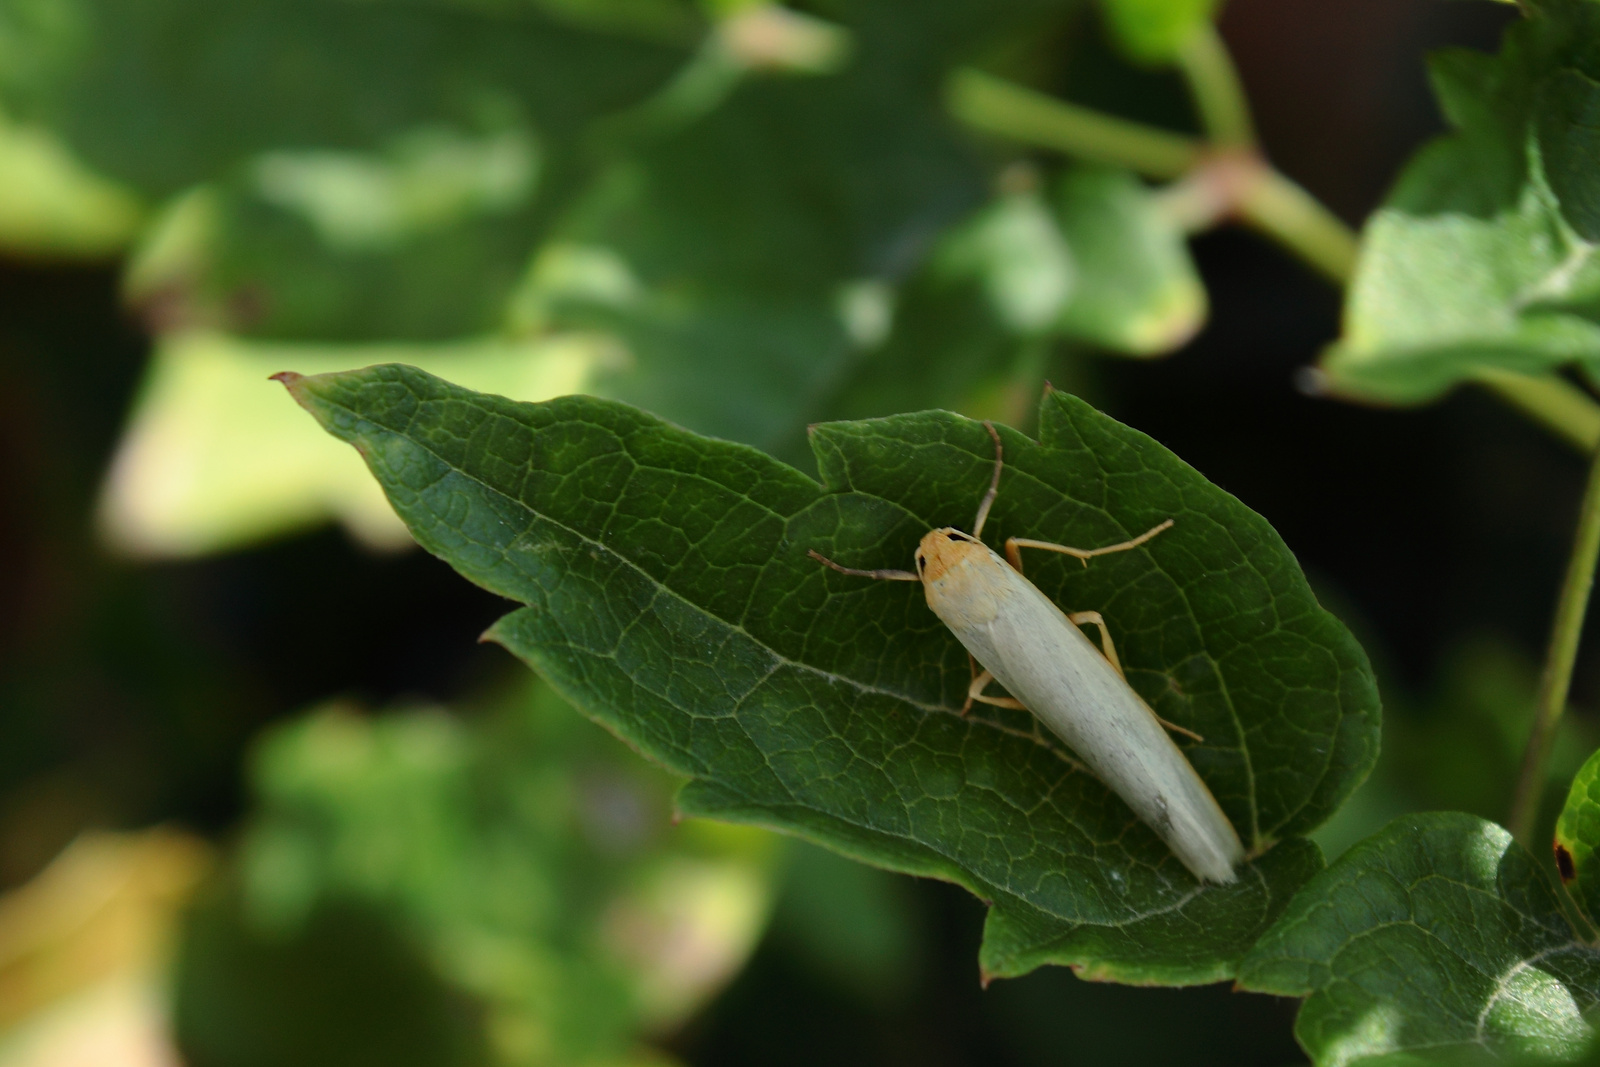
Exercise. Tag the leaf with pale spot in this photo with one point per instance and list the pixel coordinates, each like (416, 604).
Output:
(1436, 940)
(1577, 844)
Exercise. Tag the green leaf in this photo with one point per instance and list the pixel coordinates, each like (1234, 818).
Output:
(745, 231)
(1483, 256)
(1578, 838)
(947, 349)
(423, 240)
(51, 205)
(1014, 248)
(670, 597)
(405, 211)
(212, 460)
(166, 93)
(1154, 30)
(1138, 291)
(1568, 132)
(275, 271)
(1436, 940)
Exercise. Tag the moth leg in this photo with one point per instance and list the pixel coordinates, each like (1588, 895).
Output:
(885, 575)
(1175, 728)
(975, 693)
(1013, 544)
(1081, 618)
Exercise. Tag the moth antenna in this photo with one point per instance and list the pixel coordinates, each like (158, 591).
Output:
(994, 483)
(881, 575)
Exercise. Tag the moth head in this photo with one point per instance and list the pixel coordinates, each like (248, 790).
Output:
(942, 549)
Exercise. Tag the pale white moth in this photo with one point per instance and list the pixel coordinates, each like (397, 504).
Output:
(1030, 646)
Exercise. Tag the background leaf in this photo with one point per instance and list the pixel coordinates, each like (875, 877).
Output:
(1436, 938)
(212, 460)
(669, 596)
(1138, 291)
(1578, 838)
(743, 232)
(51, 205)
(166, 93)
(1483, 254)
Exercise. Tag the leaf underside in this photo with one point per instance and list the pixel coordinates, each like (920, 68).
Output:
(668, 594)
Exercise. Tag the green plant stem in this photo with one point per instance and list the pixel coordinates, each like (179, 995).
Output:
(1571, 606)
(999, 107)
(1563, 408)
(1219, 96)
(1295, 219)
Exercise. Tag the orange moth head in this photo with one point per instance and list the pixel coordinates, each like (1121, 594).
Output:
(942, 549)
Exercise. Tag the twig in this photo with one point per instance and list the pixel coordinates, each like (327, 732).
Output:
(1563, 408)
(1282, 210)
(1000, 107)
(1219, 95)
(1556, 679)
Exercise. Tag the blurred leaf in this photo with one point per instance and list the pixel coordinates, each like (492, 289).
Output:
(381, 170)
(526, 859)
(83, 950)
(50, 205)
(743, 230)
(671, 598)
(1015, 250)
(422, 241)
(1435, 938)
(167, 93)
(1106, 265)
(1138, 291)
(945, 348)
(1483, 255)
(213, 459)
(1154, 30)
(431, 178)
(1578, 838)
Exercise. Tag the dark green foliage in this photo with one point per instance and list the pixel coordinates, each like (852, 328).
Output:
(670, 597)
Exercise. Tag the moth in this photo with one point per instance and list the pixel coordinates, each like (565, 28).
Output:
(1037, 652)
